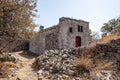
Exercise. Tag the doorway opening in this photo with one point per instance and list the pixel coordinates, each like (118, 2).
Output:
(78, 41)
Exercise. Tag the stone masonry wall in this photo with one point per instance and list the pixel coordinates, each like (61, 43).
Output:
(51, 41)
(108, 50)
(46, 39)
(67, 39)
(59, 37)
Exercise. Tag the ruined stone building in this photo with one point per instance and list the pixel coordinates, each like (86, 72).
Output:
(69, 33)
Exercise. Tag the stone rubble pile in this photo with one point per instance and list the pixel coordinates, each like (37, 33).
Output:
(59, 64)
(56, 64)
(7, 57)
(106, 75)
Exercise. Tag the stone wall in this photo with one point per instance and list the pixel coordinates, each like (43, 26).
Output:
(67, 39)
(59, 37)
(112, 47)
(51, 41)
(15, 45)
(46, 39)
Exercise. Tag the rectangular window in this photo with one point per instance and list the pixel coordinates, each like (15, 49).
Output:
(80, 28)
(70, 29)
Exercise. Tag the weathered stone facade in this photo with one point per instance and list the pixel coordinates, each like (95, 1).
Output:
(69, 33)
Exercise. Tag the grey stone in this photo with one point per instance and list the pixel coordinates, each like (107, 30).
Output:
(60, 37)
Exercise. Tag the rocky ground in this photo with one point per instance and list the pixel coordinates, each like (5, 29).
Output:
(22, 69)
(100, 62)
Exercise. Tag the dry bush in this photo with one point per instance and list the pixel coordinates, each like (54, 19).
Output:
(6, 68)
(106, 39)
(7, 65)
(90, 51)
(84, 78)
(83, 65)
(83, 61)
(102, 65)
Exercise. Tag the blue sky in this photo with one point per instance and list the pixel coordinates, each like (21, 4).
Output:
(96, 12)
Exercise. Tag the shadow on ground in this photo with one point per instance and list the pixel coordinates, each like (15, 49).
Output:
(27, 54)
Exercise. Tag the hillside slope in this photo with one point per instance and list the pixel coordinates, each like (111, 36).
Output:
(101, 62)
(22, 69)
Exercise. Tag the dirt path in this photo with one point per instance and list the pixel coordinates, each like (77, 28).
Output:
(26, 72)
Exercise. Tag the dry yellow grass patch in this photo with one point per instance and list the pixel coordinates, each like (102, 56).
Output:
(6, 68)
(84, 62)
(7, 64)
(104, 66)
(106, 39)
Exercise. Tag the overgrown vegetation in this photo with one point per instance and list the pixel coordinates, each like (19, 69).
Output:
(106, 38)
(16, 20)
(95, 59)
(6, 68)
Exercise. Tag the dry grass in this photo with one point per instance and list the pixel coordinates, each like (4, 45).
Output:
(105, 39)
(95, 61)
(83, 62)
(6, 68)
(84, 78)
(103, 66)
(7, 65)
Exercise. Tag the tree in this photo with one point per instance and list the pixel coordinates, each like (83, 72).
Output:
(111, 26)
(16, 18)
(117, 24)
(90, 31)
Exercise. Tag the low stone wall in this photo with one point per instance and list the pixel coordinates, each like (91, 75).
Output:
(16, 45)
(20, 45)
(113, 46)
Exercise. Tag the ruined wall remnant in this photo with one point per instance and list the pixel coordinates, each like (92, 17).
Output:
(51, 42)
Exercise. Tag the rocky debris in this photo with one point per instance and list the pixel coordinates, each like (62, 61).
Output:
(17, 66)
(7, 57)
(106, 75)
(8, 67)
(56, 64)
(59, 64)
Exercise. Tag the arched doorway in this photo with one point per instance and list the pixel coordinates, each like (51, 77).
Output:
(78, 41)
